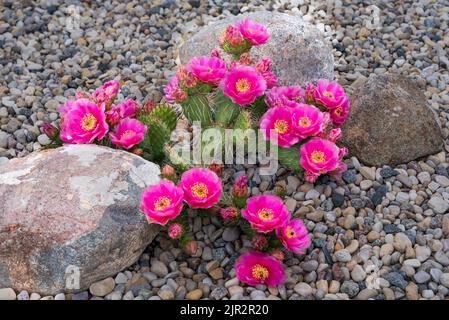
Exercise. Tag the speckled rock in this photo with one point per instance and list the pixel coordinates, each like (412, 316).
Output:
(390, 122)
(72, 207)
(305, 55)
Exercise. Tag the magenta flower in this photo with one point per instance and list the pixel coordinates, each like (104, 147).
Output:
(334, 135)
(329, 94)
(264, 67)
(319, 156)
(340, 113)
(243, 85)
(232, 36)
(202, 188)
(285, 96)
(128, 133)
(310, 93)
(254, 32)
(106, 93)
(255, 268)
(308, 120)
(175, 231)
(162, 202)
(82, 121)
(207, 69)
(173, 92)
(276, 125)
(294, 236)
(265, 213)
(126, 109)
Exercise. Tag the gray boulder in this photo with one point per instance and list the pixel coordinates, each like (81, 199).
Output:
(390, 123)
(70, 217)
(298, 49)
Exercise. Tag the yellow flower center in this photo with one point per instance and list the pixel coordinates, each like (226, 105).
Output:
(128, 134)
(161, 203)
(328, 94)
(259, 272)
(89, 122)
(318, 156)
(199, 189)
(265, 214)
(304, 122)
(290, 232)
(338, 111)
(242, 85)
(281, 126)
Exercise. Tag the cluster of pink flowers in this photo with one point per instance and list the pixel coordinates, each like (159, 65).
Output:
(241, 81)
(89, 118)
(269, 217)
(162, 203)
(311, 118)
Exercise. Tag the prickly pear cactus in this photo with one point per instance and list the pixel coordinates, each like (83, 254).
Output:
(225, 111)
(196, 108)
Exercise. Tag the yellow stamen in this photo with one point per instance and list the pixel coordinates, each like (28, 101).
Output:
(318, 156)
(259, 272)
(89, 122)
(338, 111)
(328, 94)
(242, 85)
(290, 232)
(265, 214)
(161, 203)
(281, 126)
(128, 134)
(200, 190)
(304, 122)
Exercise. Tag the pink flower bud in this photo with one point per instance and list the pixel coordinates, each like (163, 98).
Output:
(278, 254)
(175, 231)
(334, 135)
(229, 213)
(259, 242)
(240, 188)
(50, 130)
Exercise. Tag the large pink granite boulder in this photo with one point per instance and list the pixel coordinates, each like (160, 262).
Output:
(71, 210)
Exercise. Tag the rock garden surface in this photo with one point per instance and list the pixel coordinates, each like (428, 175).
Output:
(382, 234)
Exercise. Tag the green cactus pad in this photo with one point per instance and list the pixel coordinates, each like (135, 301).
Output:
(225, 110)
(166, 114)
(156, 138)
(289, 157)
(196, 108)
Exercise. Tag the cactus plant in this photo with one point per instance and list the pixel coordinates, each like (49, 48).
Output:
(196, 108)
(225, 110)
(166, 114)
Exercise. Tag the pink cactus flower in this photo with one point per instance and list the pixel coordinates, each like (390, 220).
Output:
(229, 213)
(294, 236)
(255, 268)
(243, 85)
(128, 133)
(240, 187)
(82, 121)
(162, 202)
(171, 90)
(265, 213)
(334, 135)
(319, 156)
(207, 69)
(340, 113)
(264, 67)
(175, 231)
(106, 93)
(202, 188)
(329, 94)
(277, 126)
(254, 32)
(285, 96)
(232, 36)
(127, 109)
(308, 120)
(310, 93)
